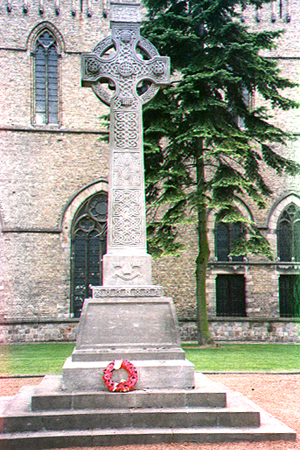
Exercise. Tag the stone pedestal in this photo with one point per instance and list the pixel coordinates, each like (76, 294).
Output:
(127, 318)
(132, 323)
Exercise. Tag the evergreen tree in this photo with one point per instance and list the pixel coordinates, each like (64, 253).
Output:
(205, 147)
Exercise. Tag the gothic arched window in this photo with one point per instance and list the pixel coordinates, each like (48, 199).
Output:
(89, 231)
(226, 234)
(46, 79)
(288, 234)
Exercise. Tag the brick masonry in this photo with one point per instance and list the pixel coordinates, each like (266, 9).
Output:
(46, 173)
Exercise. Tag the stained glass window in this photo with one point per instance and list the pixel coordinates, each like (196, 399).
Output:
(46, 80)
(89, 232)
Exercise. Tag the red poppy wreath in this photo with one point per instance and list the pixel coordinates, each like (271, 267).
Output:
(123, 385)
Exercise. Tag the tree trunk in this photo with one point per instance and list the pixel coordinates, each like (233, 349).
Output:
(204, 337)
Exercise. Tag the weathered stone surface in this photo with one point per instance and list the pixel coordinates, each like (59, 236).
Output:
(126, 261)
(152, 374)
(139, 328)
(127, 322)
(137, 417)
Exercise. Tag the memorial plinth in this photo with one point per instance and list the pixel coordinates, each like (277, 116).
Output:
(128, 317)
(141, 329)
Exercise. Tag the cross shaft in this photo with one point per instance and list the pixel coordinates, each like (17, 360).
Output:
(133, 69)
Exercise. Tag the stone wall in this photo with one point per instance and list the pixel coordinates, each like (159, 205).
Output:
(245, 330)
(222, 330)
(25, 331)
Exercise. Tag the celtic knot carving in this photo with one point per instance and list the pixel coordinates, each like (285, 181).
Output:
(148, 47)
(158, 68)
(150, 93)
(126, 129)
(126, 69)
(147, 291)
(92, 66)
(126, 36)
(127, 214)
(125, 100)
(127, 169)
(101, 93)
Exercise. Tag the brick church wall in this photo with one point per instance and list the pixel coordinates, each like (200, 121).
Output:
(43, 169)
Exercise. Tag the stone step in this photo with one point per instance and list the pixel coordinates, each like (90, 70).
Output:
(140, 436)
(119, 419)
(131, 354)
(48, 395)
(19, 417)
(240, 420)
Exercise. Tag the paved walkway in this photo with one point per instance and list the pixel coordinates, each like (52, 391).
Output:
(277, 394)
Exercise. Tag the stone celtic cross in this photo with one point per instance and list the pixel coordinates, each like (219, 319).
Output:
(125, 71)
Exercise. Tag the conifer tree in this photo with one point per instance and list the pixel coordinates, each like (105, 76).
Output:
(205, 146)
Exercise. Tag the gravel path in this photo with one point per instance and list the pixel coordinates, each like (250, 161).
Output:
(277, 394)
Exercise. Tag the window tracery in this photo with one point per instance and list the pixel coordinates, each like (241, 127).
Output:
(89, 232)
(288, 234)
(46, 79)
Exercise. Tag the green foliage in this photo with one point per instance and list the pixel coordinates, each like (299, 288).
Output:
(205, 145)
(216, 63)
(245, 358)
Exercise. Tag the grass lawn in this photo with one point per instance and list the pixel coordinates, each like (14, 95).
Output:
(38, 359)
(33, 359)
(245, 358)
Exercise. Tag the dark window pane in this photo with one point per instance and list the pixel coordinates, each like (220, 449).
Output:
(285, 241)
(93, 258)
(222, 241)
(235, 234)
(222, 295)
(230, 296)
(289, 296)
(88, 248)
(238, 304)
(296, 239)
(226, 235)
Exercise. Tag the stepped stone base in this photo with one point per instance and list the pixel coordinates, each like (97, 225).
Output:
(45, 416)
(135, 324)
